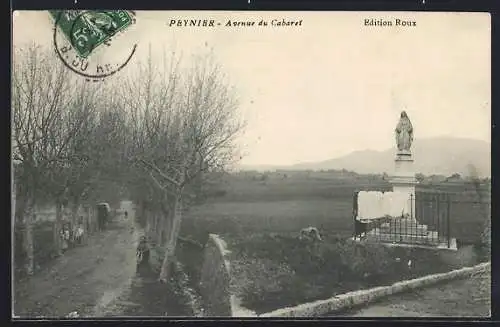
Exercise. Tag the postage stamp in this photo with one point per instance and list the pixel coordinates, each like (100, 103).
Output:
(83, 40)
(89, 29)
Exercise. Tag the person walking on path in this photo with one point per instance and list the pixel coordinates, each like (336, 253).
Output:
(142, 253)
(65, 238)
(79, 234)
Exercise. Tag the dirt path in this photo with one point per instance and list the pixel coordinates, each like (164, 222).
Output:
(461, 298)
(98, 279)
(84, 278)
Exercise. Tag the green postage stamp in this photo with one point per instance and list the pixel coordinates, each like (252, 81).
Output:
(88, 29)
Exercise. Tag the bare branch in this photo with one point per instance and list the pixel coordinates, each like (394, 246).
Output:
(157, 170)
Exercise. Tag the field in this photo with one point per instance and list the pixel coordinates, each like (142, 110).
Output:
(287, 202)
(236, 218)
(261, 215)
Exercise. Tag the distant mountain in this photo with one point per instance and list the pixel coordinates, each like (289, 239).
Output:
(439, 155)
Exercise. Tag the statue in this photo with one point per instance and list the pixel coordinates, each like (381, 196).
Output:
(404, 133)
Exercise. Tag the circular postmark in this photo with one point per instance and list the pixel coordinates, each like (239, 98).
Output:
(88, 42)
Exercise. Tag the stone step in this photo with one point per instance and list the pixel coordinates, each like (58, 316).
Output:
(412, 228)
(430, 239)
(420, 231)
(403, 222)
(408, 239)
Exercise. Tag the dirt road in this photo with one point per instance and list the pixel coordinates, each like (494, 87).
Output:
(98, 279)
(460, 298)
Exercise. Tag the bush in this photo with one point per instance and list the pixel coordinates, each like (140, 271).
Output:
(263, 283)
(270, 271)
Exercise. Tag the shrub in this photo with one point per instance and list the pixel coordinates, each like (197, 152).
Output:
(371, 262)
(270, 271)
(263, 283)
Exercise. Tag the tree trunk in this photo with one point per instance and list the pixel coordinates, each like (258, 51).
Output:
(172, 239)
(159, 228)
(163, 228)
(57, 228)
(154, 232)
(74, 215)
(74, 212)
(165, 221)
(90, 221)
(28, 237)
(149, 222)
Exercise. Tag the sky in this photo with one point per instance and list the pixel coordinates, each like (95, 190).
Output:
(332, 85)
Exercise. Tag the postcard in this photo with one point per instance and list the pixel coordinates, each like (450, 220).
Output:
(251, 164)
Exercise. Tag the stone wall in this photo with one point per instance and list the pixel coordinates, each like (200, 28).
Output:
(215, 279)
(363, 297)
(43, 233)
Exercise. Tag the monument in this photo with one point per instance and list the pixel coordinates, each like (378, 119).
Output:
(392, 215)
(405, 227)
(403, 179)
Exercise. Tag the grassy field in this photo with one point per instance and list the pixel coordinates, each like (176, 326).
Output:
(254, 202)
(235, 218)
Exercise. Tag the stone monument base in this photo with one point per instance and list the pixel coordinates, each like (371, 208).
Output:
(403, 179)
(409, 233)
(404, 226)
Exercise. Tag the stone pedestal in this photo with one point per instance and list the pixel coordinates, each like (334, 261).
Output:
(404, 227)
(403, 179)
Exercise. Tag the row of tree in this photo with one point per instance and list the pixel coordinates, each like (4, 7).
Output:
(156, 131)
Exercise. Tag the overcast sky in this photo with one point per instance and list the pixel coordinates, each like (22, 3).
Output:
(332, 85)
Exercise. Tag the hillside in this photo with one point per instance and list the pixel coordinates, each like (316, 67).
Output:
(441, 155)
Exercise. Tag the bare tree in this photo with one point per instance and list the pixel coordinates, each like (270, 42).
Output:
(183, 124)
(54, 117)
(40, 90)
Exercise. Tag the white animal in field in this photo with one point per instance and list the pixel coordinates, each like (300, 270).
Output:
(310, 233)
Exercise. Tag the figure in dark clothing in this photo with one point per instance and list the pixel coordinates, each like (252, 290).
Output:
(142, 253)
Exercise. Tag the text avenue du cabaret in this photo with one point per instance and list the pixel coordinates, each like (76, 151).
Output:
(234, 23)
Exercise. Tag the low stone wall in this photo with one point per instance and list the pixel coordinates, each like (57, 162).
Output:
(351, 299)
(215, 278)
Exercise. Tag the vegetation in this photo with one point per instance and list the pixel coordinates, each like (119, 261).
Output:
(274, 271)
(272, 268)
(151, 137)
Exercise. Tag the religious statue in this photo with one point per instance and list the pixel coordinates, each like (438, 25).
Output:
(404, 133)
